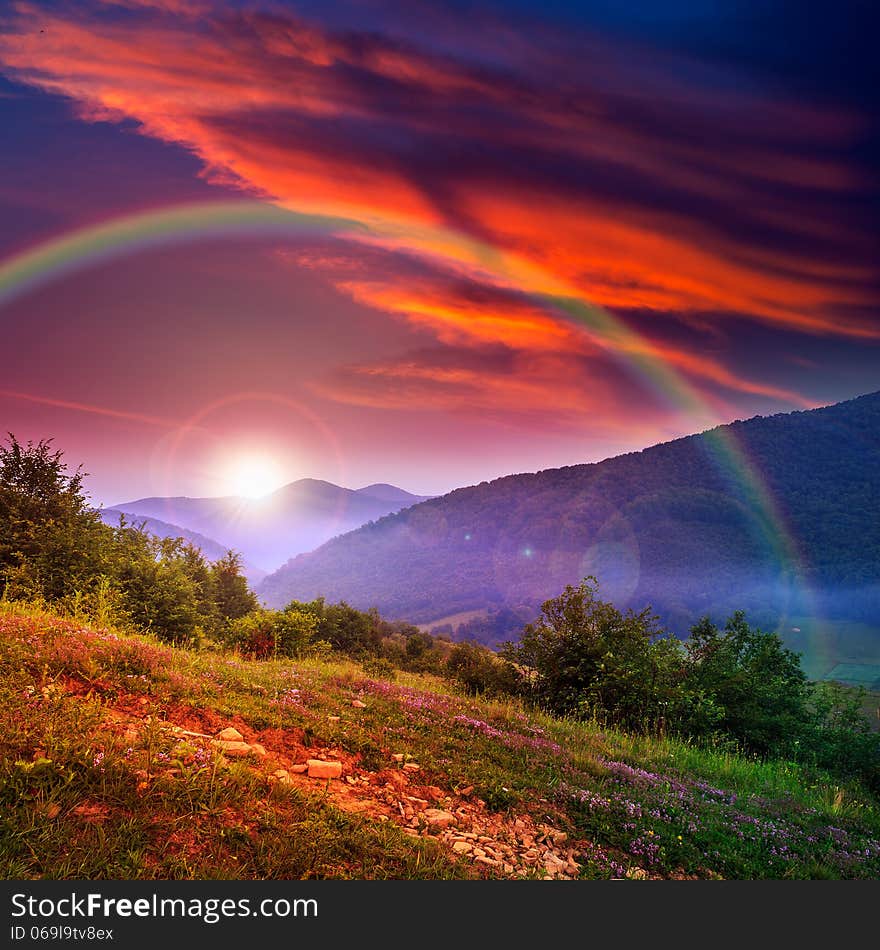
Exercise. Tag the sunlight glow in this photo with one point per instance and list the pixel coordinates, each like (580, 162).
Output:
(254, 476)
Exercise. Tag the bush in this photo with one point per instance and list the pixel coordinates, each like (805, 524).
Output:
(755, 682)
(379, 667)
(272, 633)
(584, 657)
(839, 737)
(479, 671)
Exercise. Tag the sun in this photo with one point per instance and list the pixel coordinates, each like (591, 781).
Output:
(254, 476)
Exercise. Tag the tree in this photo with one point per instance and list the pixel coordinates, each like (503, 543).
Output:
(756, 682)
(350, 630)
(480, 671)
(159, 582)
(232, 596)
(840, 737)
(583, 655)
(50, 539)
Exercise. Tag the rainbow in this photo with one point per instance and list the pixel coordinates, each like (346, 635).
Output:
(124, 236)
(26, 271)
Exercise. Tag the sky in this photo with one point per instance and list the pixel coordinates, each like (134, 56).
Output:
(700, 176)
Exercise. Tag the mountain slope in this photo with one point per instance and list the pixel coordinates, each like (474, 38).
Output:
(673, 526)
(210, 548)
(115, 763)
(267, 531)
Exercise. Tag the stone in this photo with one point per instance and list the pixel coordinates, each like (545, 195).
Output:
(397, 780)
(259, 750)
(489, 862)
(333, 718)
(358, 704)
(438, 818)
(462, 847)
(465, 792)
(230, 734)
(230, 747)
(411, 766)
(299, 769)
(319, 769)
(398, 756)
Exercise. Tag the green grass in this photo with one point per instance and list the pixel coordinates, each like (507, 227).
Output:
(856, 674)
(82, 797)
(454, 619)
(824, 644)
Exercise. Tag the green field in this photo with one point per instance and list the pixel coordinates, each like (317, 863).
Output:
(835, 649)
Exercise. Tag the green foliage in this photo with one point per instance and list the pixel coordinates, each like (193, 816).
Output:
(232, 596)
(839, 737)
(480, 671)
(273, 633)
(757, 684)
(55, 548)
(50, 540)
(159, 583)
(585, 657)
(738, 686)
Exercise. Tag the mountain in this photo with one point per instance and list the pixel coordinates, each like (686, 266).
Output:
(267, 531)
(212, 550)
(391, 494)
(677, 526)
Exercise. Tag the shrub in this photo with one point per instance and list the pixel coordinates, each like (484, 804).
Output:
(270, 633)
(756, 683)
(479, 671)
(584, 657)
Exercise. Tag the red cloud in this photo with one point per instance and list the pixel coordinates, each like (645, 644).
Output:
(659, 196)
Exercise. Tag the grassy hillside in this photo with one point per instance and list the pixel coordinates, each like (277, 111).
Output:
(676, 526)
(111, 766)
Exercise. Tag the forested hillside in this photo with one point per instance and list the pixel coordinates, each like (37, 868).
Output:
(681, 526)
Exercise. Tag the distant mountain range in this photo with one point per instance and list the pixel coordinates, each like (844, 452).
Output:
(674, 526)
(268, 531)
(210, 548)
